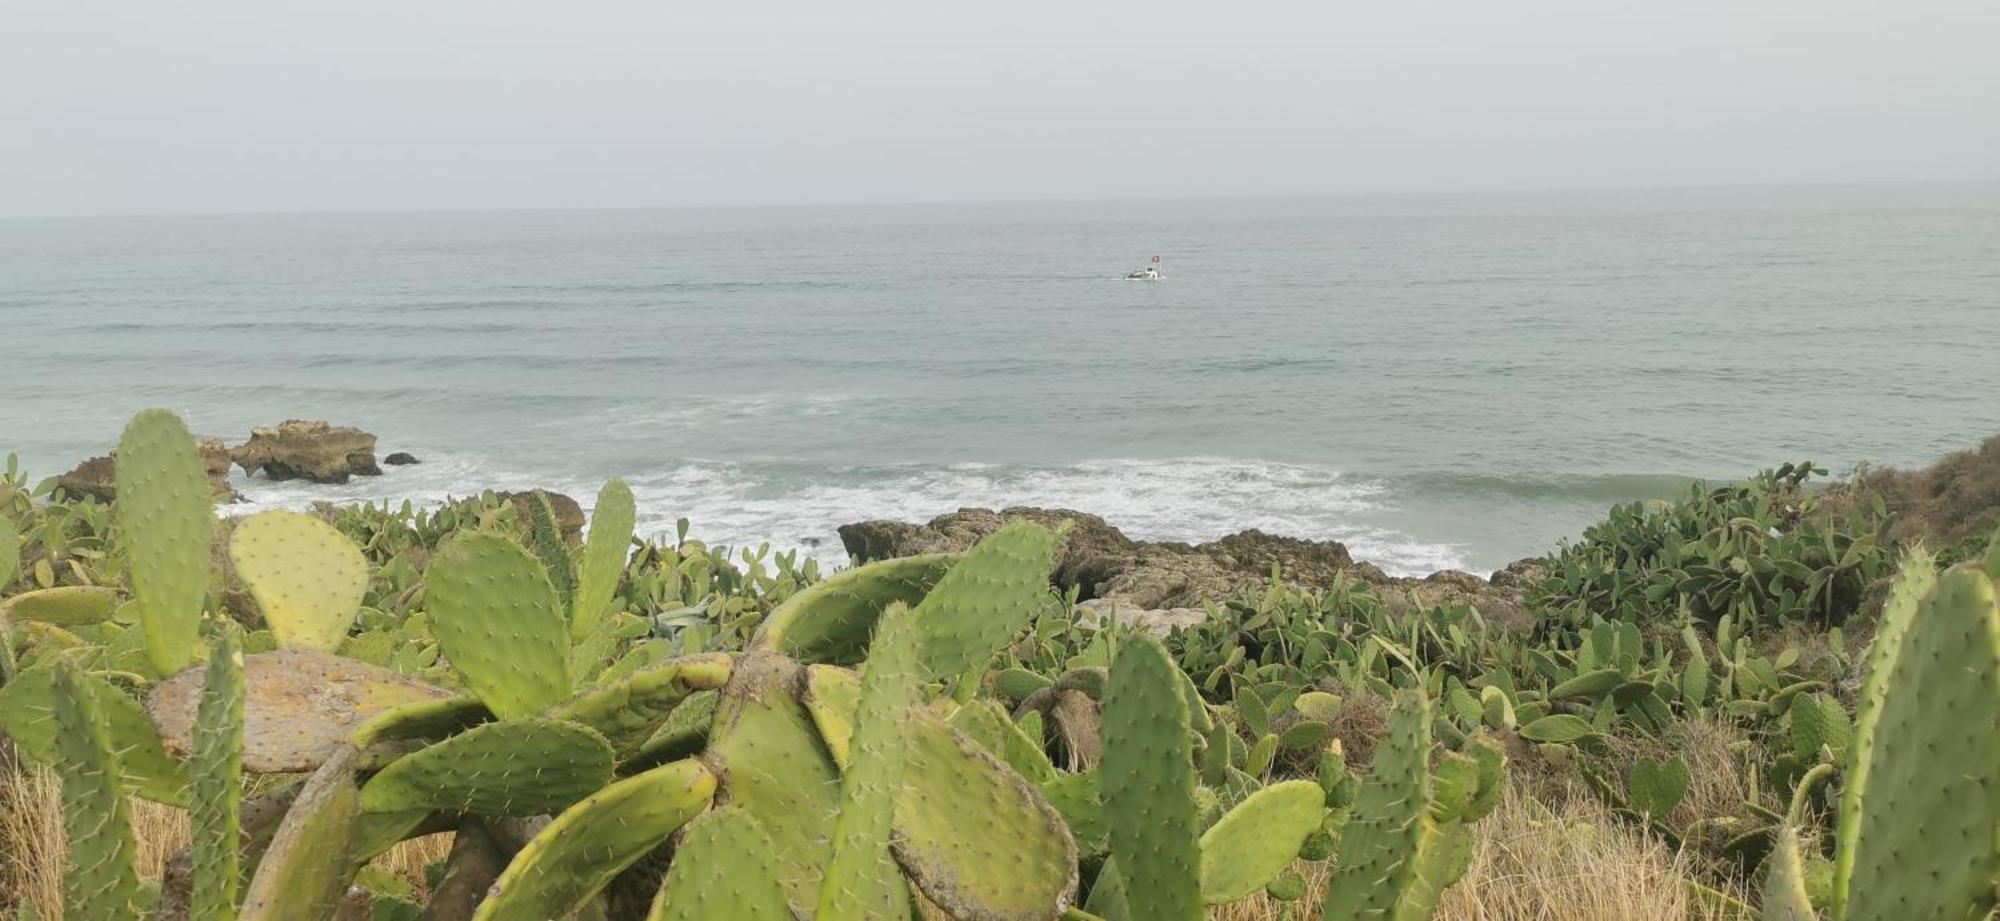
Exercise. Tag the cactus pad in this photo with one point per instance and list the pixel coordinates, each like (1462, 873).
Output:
(611, 523)
(101, 882)
(1785, 896)
(781, 775)
(976, 837)
(1925, 829)
(722, 869)
(831, 620)
(63, 606)
(873, 775)
(307, 577)
(1378, 858)
(27, 713)
(518, 767)
(628, 711)
(989, 597)
(311, 857)
(1148, 784)
(167, 511)
(300, 705)
(497, 619)
(684, 733)
(426, 720)
(215, 785)
(1258, 839)
(574, 856)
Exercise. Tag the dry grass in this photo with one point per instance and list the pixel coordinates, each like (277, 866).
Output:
(1569, 862)
(32, 847)
(1714, 749)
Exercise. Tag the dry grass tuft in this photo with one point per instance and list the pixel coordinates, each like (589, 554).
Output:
(1573, 862)
(32, 847)
(1360, 722)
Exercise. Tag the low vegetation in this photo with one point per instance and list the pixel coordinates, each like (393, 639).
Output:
(1763, 700)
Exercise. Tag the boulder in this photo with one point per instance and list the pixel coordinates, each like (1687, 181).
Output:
(97, 477)
(1161, 584)
(569, 515)
(401, 459)
(312, 450)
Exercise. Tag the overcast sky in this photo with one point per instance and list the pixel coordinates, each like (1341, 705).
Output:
(234, 105)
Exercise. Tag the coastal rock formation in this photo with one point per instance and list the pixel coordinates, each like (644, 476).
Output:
(569, 515)
(1161, 584)
(313, 450)
(97, 477)
(400, 459)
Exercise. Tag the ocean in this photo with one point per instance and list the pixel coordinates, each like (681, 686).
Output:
(1449, 381)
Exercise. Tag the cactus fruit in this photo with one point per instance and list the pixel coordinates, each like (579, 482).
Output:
(722, 868)
(101, 883)
(306, 868)
(167, 511)
(873, 775)
(307, 577)
(1148, 784)
(611, 524)
(987, 599)
(1920, 824)
(215, 785)
(29, 701)
(62, 606)
(628, 711)
(517, 767)
(1258, 839)
(571, 859)
(831, 620)
(300, 706)
(1379, 847)
(497, 619)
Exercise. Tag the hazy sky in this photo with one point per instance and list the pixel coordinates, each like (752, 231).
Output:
(232, 105)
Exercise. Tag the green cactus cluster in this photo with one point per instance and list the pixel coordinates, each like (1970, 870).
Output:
(631, 728)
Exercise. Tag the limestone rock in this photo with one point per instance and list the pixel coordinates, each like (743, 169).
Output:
(313, 450)
(569, 515)
(97, 477)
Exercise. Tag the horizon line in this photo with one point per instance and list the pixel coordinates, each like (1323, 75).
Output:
(942, 202)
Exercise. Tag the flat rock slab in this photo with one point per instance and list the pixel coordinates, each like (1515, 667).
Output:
(301, 705)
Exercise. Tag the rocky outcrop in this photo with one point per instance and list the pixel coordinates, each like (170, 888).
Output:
(569, 515)
(97, 478)
(312, 450)
(401, 459)
(1162, 584)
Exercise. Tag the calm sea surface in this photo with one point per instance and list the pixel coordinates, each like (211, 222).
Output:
(1438, 381)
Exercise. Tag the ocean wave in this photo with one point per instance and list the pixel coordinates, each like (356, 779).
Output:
(793, 506)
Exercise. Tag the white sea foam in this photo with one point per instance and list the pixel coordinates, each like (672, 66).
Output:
(794, 508)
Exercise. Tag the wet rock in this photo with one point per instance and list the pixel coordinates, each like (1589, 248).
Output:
(97, 477)
(401, 459)
(569, 515)
(1170, 576)
(308, 449)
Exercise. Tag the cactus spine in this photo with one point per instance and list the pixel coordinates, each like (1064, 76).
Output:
(216, 784)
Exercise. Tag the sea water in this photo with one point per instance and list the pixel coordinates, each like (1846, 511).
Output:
(1438, 381)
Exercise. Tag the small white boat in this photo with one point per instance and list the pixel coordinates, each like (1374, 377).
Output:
(1149, 273)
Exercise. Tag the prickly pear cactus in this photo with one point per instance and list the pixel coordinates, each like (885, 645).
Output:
(1379, 850)
(312, 856)
(831, 620)
(215, 783)
(517, 767)
(1922, 824)
(873, 775)
(989, 597)
(63, 606)
(101, 882)
(307, 577)
(722, 869)
(628, 711)
(1257, 840)
(611, 524)
(497, 619)
(168, 515)
(1148, 784)
(571, 860)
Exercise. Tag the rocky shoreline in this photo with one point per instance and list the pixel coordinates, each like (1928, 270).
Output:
(1163, 584)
